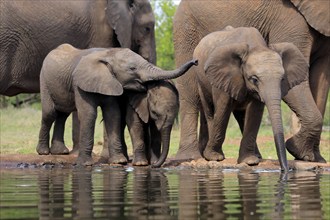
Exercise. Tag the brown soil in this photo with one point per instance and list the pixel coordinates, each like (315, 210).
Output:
(34, 161)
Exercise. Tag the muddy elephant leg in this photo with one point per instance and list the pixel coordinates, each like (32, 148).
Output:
(217, 125)
(112, 121)
(240, 118)
(75, 133)
(252, 121)
(58, 146)
(303, 143)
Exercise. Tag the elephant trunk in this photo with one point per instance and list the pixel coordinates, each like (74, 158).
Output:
(155, 73)
(274, 108)
(165, 134)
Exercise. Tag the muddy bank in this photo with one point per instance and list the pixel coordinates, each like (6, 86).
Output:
(49, 161)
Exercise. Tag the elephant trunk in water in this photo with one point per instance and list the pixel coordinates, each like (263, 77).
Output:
(155, 73)
(165, 134)
(273, 105)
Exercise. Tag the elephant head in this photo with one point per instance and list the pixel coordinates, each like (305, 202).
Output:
(265, 73)
(133, 22)
(110, 71)
(160, 106)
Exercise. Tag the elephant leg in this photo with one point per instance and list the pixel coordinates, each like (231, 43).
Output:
(105, 149)
(87, 114)
(154, 147)
(49, 115)
(75, 133)
(303, 143)
(217, 124)
(252, 121)
(240, 118)
(319, 79)
(46, 124)
(57, 145)
(112, 121)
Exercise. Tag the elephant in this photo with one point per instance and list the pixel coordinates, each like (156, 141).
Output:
(150, 117)
(74, 79)
(238, 70)
(303, 23)
(29, 30)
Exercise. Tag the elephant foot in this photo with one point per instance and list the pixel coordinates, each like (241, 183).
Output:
(139, 159)
(118, 159)
(140, 162)
(43, 149)
(212, 155)
(188, 152)
(250, 160)
(85, 160)
(300, 153)
(74, 151)
(58, 148)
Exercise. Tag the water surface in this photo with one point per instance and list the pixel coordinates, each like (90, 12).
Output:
(144, 193)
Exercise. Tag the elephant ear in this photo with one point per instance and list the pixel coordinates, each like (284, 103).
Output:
(93, 75)
(223, 69)
(139, 102)
(294, 63)
(316, 13)
(119, 14)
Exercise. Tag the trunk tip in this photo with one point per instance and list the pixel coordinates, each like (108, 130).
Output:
(195, 62)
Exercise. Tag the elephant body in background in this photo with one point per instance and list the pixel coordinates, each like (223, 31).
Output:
(303, 23)
(30, 29)
(238, 71)
(149, 118)
(73, 79)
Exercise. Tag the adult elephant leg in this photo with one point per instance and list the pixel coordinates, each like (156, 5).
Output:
(252, 121)
(75, 133)
(319, 79)
(189, 103)
(240, 116)
(112, 121)
(58, 146)
(302, 144)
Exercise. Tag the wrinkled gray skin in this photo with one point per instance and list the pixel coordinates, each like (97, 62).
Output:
(150, 117)
(306, 25)
(238, 71)
(73, 79)
(29, 30)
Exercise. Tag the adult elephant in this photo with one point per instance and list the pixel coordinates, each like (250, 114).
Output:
(303, 23)
(31, 29)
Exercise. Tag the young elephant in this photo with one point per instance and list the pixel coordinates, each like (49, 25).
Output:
(73, 79)
(150, 117)
(239, 72)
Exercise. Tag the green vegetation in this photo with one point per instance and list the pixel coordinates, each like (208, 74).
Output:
(19, 128)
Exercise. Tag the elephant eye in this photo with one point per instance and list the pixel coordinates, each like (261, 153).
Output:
(147, 30)
(254, 80)
(132, 68)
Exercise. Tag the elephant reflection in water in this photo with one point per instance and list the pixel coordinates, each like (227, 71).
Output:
(114, 193)
(51, 192)
(150, 193)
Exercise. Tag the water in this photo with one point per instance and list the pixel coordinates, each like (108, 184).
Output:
(143, 193)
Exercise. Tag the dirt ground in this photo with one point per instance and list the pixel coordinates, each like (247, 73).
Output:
(36, 161)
